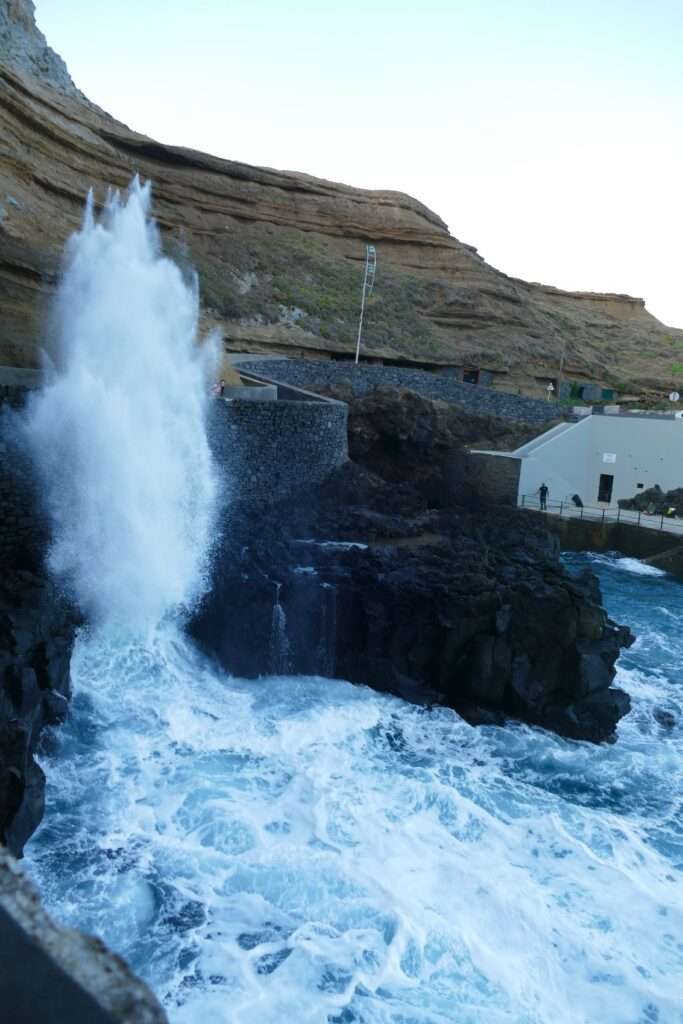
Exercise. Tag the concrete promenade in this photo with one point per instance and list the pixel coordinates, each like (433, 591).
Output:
(595, 514)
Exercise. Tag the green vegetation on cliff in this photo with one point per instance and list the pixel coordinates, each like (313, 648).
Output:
(296, 280)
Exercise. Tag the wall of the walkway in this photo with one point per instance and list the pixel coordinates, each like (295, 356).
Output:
(309, 373)
(267, 451)
(631, 540)
(55, 975)
(495, 476)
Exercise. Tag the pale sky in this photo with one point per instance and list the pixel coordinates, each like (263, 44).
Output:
(547, 133)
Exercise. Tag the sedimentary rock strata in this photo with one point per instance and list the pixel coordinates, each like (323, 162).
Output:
(280, 254)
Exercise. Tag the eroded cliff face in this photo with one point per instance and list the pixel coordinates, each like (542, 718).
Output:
(280, 254)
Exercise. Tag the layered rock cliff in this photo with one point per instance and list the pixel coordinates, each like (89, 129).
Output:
(280, 253)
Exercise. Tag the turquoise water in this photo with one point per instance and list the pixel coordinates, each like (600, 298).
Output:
(305, 850)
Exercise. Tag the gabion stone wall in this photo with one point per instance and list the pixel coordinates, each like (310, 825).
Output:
(307, 373)
(267, 451)
(495, 477)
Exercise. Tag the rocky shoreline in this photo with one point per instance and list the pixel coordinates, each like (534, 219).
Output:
(377, 581)
(464, 606)
(393, 573)
(36, 639)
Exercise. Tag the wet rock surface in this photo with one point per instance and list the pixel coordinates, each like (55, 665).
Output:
(468, 607)
(407, 437)
(36, 638)
(56, 975)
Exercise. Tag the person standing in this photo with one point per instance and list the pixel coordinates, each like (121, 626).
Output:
(543, 495)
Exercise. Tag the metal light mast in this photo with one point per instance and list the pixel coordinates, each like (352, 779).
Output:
(368, 284)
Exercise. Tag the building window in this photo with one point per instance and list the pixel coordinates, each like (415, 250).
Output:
(470, 376)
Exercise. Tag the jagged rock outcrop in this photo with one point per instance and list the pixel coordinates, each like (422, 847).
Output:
(465, 607)
(36, 639)
(24, 47)
(56, 975)
(655, 501)
(37, 628)
(280, 253)
(407, 438)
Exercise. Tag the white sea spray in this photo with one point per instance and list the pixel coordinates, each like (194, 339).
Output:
(118, 433)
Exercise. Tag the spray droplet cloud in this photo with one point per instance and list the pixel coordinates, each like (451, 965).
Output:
(118, 433)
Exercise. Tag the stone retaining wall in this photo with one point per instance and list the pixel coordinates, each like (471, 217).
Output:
(495, 477)
(307, 373)
(593, 535)
(270, 450)
(265, 451)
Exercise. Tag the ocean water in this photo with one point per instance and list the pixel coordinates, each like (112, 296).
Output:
(305, 850)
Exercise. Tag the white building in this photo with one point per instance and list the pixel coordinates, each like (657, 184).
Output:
(602, 458)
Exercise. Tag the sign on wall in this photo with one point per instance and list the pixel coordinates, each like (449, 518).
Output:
(609, 457)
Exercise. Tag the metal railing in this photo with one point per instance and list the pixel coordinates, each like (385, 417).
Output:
(612, 514)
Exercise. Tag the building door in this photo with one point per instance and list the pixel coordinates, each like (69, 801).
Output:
(605, 487)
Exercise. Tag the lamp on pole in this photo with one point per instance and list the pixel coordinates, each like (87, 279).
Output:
(368, 285)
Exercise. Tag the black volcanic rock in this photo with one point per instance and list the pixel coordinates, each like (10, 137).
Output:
(468, 607)
(36, 638)
(655, 501)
